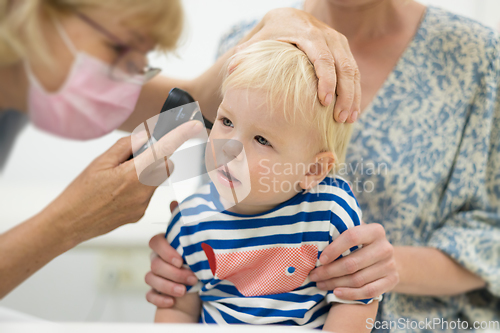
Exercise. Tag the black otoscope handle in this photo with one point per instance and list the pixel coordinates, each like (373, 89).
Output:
(176, 98)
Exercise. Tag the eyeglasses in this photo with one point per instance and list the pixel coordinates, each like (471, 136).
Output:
(130, 63)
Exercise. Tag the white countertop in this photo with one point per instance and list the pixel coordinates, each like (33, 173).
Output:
(143, 328)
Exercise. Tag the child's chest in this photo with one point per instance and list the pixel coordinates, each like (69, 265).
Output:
(258, 261)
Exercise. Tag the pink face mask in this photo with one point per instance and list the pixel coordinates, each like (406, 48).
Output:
(89, 104)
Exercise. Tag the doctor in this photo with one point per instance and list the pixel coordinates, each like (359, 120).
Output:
(78, 69)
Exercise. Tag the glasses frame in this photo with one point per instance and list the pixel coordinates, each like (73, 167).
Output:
(148, 71)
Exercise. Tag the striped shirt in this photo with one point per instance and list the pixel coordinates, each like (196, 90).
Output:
(254, 268)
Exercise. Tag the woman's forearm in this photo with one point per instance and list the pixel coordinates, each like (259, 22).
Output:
(187, 309)
(205, 89)
(29, 246)
(428, 271)
(351, 317)
(105, 196)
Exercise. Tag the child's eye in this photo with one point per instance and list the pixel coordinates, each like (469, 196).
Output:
(262, 141)
(227, 122)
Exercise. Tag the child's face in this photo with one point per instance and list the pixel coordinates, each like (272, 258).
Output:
(270, 157)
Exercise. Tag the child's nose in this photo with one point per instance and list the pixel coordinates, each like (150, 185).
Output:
(233, 149)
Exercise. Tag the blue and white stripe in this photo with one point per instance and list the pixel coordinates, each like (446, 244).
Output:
(314, 217)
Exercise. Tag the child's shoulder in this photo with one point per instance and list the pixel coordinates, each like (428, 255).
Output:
(332, 186)
(333, 192)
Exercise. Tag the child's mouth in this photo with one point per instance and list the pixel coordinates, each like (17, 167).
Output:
(226, 178)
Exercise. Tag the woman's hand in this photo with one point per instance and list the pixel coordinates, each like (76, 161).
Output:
(365, 273)
(328, 51)
(109, 193)
(106, 195)
(167, 276)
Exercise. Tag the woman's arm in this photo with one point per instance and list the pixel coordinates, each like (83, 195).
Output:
(420, 271)
(378, 267)
(106, 195)
(351, 317)
(204, 89)
(327, 49)
(428, 271)
(29, 246)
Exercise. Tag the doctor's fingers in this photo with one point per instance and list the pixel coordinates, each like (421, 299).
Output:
(165, 147)
(156, 173)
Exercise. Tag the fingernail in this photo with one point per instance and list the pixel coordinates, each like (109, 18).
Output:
(328, 99)
(177, 262)
(323, 259)
(191, 280)
(178, 290)
(321, 285)
(354, 116)
(338, 292)
(343, 116)
(168, 302)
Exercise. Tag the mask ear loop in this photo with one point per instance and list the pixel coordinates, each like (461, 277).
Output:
(66, 40)
(64, 35)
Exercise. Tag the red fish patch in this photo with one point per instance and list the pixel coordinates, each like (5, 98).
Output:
(264, 272)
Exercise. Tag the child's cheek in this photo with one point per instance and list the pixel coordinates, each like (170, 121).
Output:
(259, 168)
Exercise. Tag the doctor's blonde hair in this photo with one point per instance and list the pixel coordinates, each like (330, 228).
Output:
(20, 24)
(286, 74)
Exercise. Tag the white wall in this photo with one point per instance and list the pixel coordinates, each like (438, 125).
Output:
(102, 280)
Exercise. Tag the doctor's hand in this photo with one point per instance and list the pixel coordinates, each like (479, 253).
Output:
(327, 49)
(106, 195)
(366, 273)
(109, 193)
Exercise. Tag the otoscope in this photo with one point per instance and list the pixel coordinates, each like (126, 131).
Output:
(176, 110)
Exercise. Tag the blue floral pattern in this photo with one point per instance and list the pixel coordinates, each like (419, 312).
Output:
(424, 161)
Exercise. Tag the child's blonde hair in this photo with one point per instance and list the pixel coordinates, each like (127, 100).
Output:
(20, 29)
(287, 75)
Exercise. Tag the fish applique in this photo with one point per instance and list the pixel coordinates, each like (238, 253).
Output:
(265, 271)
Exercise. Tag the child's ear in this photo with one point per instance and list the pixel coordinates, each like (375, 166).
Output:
(317, 171)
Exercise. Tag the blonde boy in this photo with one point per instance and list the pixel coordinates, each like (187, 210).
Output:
(274, 199)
